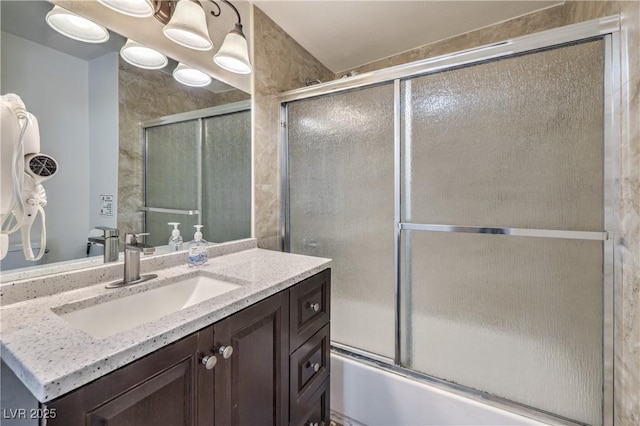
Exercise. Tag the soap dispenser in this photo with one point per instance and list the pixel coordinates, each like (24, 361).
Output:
(198, 252)
(175, 240)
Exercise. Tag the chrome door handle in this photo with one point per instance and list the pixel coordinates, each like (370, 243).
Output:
(315, 307)
(209, 362)
(225, 351)
(315, 366)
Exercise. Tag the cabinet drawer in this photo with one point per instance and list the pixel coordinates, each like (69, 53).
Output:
(313, 410)
(309, 366)
(310, 306)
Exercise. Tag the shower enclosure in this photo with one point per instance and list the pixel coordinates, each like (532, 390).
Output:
(467, 204)
(198, 171)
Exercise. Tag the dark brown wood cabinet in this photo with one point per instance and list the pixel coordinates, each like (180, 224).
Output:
(251, 385)
(167, 387)
(270, 368)
(309, 362)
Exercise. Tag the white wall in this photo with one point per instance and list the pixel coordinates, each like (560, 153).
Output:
(103, 136)
(59, 90)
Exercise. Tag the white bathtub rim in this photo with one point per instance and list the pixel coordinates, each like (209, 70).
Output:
(440, 389)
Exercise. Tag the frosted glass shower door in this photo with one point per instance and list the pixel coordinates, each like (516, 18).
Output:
(341, 177)
(200, 165)
(172, 156)
(512, 143)
(226, 177)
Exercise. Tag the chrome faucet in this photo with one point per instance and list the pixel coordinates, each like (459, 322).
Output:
(109, 240)
(132, 249)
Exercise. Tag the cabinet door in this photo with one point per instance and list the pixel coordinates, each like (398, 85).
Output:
(252, 384)
(167, 387)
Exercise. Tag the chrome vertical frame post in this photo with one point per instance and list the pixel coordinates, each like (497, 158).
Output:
(611, 142)
(285, 243)
(145, 146)
(397, 140)
(200, 145)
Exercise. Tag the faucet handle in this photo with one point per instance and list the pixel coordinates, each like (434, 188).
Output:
(146, 250)
(133, 240)
(108, 232)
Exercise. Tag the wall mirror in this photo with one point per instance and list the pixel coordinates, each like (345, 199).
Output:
(135, 148)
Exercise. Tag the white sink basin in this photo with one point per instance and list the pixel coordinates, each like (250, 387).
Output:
(108, 318)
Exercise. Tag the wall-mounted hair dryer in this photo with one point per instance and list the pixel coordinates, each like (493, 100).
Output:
(23, 169)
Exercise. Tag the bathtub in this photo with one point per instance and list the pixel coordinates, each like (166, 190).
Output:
(365, 395)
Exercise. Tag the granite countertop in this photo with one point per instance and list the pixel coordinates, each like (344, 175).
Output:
(52, 358)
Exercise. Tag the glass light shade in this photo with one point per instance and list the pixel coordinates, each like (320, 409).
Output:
(142, 56)
(188, 26)
(190, 76)
(135, 8)
(76, 27)
(234, 54)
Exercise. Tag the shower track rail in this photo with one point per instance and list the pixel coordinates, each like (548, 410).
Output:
(517, 232)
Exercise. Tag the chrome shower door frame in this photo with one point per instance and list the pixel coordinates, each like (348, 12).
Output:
(607, 29)
(200, 115)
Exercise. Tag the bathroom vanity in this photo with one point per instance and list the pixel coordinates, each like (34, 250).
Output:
(255, 354)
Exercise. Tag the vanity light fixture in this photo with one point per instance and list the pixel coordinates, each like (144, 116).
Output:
(190, 76)
(142, 56)
(234, 52)
(135, 8)
(186, 24)
(76, 27)
(188, 27)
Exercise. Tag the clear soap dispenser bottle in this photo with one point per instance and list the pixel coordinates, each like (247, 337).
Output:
(198, 253)
(175, 240)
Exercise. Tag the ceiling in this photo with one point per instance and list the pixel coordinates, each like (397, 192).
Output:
(342, 34)
(345, 34)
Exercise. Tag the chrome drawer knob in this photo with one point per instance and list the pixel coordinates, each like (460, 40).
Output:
(225, 351)
(315, 366)
(209, 362)
(315, 307)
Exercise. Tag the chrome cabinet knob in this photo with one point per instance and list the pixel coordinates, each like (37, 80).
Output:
(312, 424)
(314, 365)
(315, 307)
(209, 362)
(225, 351)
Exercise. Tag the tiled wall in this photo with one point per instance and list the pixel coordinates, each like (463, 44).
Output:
(280, 64)
(146, 95)
(283, 65)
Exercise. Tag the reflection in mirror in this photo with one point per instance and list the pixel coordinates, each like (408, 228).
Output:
(203, 180)
(90, 105)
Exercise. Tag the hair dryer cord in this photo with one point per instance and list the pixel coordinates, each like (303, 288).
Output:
(26, 238)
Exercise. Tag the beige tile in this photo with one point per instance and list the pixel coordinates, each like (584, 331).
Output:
(280, 64)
